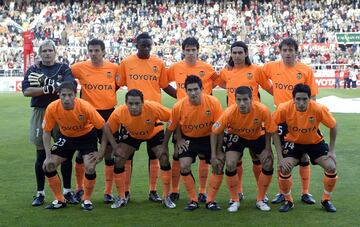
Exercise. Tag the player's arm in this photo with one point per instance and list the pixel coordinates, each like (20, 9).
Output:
(108, 136)
(277, 143)
(170, 91)
(333, 134)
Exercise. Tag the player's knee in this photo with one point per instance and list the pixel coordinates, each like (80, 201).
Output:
(268, 163)
(185, 168)
(330, 167)
(90, 169)
(50, 167)
(164, 159)
(305, 158)
(231, 165)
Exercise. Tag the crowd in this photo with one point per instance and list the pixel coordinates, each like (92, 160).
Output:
(260, 24)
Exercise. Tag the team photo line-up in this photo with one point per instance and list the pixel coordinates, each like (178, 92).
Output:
(197, 126)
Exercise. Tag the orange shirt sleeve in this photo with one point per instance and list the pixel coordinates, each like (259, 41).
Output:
(49, 120)
(171, 73)
(269, 122)
(327, 118)
(162, 112)
(122, 72)
(75, 70)
(175, 117)
(279, 114)
(163, 81)
(114, 120)
(222, 123)
(262, 80)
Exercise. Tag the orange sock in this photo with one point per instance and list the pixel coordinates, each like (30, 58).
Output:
(285, 186)
(175, 175)
(109, 175)
(232, 182)
(304, 172)
(119, 179)
(203, 172)
(166, 181)
(55, 185)
(79, 174)
(214, 185)
(239, 170)
(153, 173)
(278, 181)
(263, 184)
(189, 184)
(128, 171)
(257, 169)
(329, 185)
(89, 183)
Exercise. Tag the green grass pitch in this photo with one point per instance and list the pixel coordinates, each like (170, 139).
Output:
(18, 183)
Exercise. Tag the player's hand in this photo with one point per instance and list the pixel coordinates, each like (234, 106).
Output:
(217, 164)
(332, 155)
(285, 165)
(48, 165)
(182, 145)
(49, 89)
(36, 79)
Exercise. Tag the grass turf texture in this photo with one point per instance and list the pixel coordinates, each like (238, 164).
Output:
(18, 183)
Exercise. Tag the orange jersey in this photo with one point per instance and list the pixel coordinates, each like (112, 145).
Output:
(248, 126)
(195, 121)
(146, 75)
(72, 123)
(141, 127)
(304, 126)
(249, 76)
(180, 70)
(284, 78)
(98, 84)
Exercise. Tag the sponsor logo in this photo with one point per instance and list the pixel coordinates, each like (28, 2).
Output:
(109, 75)
(155, 69)
(289, 87)
(142, 77)
(99, 87)
(198, 126)
(304, 130)
(216, 125)
(311, 119)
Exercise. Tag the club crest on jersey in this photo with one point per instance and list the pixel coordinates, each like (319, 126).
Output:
(299, 76)
(201, 73)
(208, 113)
(148, 122)
(81, 117)
(216, 125)
(155, 69)
(256, 121)
(249, 76)
(109, 75)
(311, 119)
(117, 78)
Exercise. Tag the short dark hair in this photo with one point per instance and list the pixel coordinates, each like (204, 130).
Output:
(192, 79)
(134, 92)
(289, 42)
(243, 90)
(144, 35)
(301, 88)
(246, 49)
(95, 42)
(190, 41)
(68, 85)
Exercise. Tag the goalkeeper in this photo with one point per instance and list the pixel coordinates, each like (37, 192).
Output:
(41, 83)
